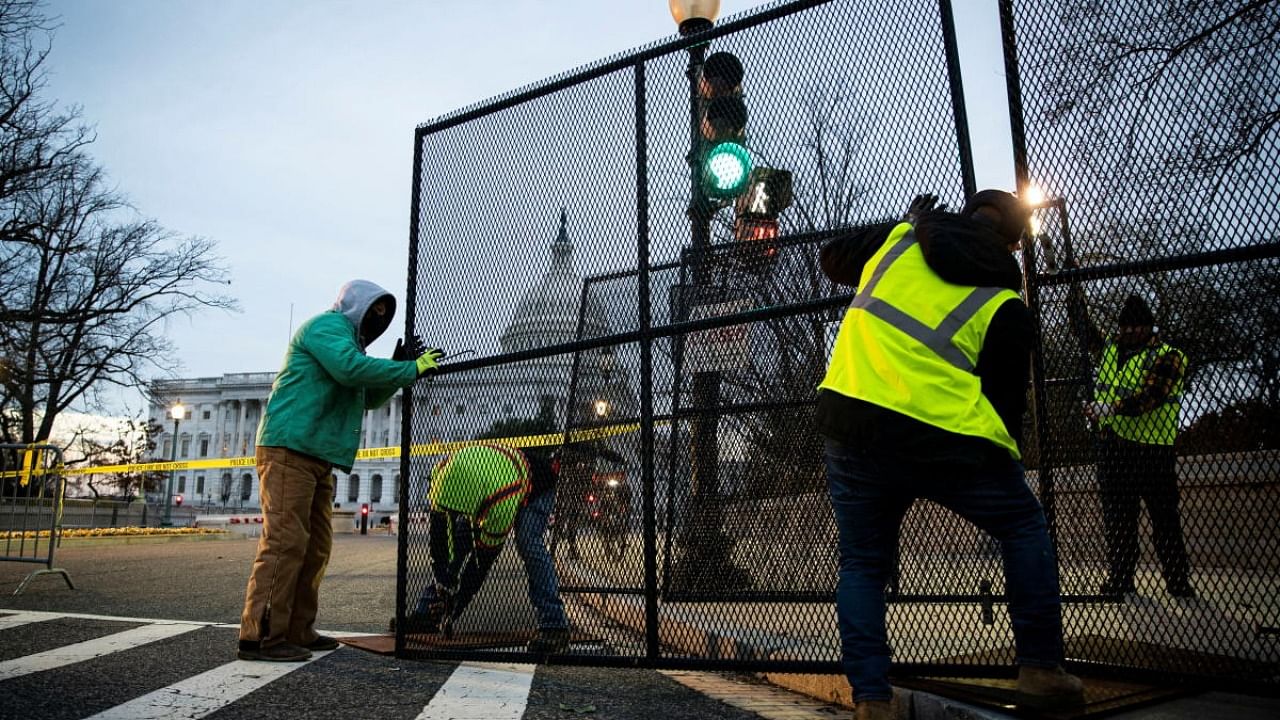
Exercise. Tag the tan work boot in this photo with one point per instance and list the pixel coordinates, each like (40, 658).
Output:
(873, 710)
(1049, 688)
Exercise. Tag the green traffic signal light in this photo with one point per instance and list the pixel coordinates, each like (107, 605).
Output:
(722, 124)
(726, 170)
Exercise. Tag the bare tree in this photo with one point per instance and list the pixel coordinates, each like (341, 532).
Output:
(1205, 67)
(35, 137)
(134, 443)
(86, 286)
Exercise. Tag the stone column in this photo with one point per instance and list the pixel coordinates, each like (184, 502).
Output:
(241, 441)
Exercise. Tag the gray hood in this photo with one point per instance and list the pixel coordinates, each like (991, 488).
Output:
(354, 300)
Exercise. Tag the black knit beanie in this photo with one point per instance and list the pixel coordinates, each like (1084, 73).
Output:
(1014, 215)
(1136, 313)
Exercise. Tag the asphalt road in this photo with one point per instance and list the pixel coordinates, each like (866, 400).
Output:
(127, 588)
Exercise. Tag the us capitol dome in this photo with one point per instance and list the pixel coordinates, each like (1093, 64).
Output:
(223, 412)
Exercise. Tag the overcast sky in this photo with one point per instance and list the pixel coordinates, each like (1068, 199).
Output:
(282, 129)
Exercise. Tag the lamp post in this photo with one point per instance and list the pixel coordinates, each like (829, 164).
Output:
(177, 412)
(703, 541)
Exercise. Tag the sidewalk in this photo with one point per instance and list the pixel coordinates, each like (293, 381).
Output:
(950, 633)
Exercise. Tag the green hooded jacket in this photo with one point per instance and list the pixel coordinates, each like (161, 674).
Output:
(319, 397)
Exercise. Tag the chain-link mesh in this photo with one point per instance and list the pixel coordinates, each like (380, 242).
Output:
(610, 304)
(558, 234)
(1151, 130)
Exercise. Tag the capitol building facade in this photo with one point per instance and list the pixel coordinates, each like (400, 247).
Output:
(222, 413)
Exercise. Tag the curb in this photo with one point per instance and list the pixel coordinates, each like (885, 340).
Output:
(832, 689)
(696, 639)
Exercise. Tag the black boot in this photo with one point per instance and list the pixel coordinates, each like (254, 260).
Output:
(1114, 587)
(549, 641)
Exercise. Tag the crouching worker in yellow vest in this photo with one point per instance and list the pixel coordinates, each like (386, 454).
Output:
(478, 495)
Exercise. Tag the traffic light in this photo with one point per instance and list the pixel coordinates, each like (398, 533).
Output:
(755, 224)
(725, 162)
(177, 501)
(364, 518)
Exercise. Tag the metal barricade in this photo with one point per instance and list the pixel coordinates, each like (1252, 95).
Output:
(31, 495)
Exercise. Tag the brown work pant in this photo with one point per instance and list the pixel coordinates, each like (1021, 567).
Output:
(283, 596)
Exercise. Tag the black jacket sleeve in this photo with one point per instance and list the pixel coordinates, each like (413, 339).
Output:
(1004, 364)
(843, 258)
(1082, 327)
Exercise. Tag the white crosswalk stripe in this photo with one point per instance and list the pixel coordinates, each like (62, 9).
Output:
(202, 694)
(482, 691)
(79, 652)
(10, 621)
(473, 690)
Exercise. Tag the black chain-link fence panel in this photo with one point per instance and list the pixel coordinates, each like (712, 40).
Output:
(1151, 129)
(556, 233)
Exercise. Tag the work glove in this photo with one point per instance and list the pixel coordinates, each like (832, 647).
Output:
(440, 606)
(1098, 410)
(920, 205)
(406, 351)
(429, 361)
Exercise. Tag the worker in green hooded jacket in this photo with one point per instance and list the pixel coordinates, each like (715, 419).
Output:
(311, 426)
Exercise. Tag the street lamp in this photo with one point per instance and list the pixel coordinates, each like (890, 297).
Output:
(177, 412)
(703, 539)
(694, 16)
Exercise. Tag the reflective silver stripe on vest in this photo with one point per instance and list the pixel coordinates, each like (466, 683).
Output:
(940, 339)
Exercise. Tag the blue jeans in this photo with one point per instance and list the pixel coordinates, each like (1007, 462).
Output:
(544, 588)
(870, 493)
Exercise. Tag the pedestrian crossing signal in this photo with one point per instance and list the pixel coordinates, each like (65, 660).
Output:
(755, 224)
(768, 193)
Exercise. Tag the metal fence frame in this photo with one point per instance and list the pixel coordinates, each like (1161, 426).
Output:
(35, 506)
(650, 332)
(985, 595)
(1035, 140)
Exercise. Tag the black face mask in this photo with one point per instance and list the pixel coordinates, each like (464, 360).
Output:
(376, 321)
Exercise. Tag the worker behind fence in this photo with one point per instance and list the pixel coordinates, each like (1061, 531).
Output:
(1137, 397)
(923, 398)
(478, 495)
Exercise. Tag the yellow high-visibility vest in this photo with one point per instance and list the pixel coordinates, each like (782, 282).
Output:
(910, 341)
(1115, 383)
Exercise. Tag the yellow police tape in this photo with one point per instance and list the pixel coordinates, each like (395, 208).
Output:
(31, 466)
(31, 463)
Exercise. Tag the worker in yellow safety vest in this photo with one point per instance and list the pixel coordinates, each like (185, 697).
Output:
(923, 398)
(1136, 401)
